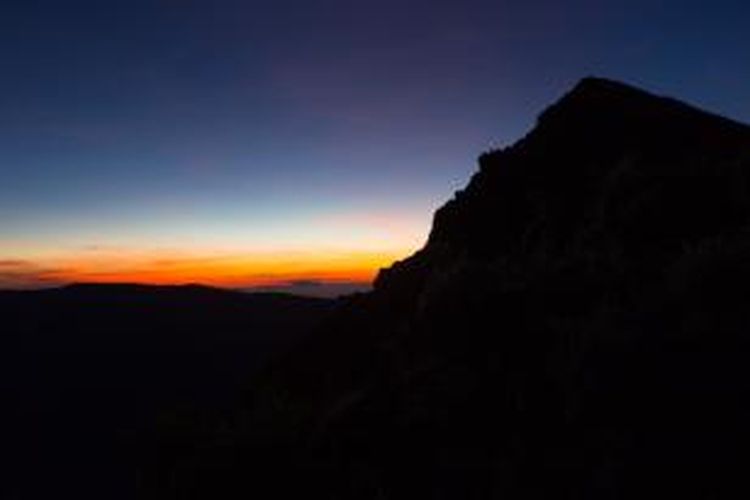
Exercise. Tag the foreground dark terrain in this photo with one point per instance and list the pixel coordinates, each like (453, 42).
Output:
(577, 326)
(92, 377)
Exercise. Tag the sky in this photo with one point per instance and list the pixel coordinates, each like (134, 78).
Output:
(264, 143)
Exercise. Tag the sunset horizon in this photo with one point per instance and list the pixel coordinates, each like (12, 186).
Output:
(249, 270)
(374, 250)
(244, 144)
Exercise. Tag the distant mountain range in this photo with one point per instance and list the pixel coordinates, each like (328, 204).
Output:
(315, 288)
(577, 326)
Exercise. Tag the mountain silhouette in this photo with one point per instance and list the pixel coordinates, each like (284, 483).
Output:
(575, 327)
(92, 375)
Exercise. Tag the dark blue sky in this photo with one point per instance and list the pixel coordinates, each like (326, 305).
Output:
(292, 126)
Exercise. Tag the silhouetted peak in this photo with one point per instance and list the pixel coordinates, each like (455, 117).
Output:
(612, 103)
(595, 84)
(608, 168)
(602, 91)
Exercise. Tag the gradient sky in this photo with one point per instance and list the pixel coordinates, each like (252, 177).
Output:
(252, 143)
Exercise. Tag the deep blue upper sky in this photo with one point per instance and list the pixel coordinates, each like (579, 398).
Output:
(249, 125)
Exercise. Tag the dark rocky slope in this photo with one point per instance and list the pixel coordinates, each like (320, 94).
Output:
(92, 375)
(576, 327)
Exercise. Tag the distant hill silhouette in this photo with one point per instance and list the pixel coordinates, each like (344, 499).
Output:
(316, 288)
(91, 377)
(577, 326)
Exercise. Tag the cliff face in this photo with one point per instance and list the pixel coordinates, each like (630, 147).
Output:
(575, 327)
(611, 176)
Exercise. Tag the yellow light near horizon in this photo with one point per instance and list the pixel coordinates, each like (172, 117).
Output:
(222, 270)
(341, 248)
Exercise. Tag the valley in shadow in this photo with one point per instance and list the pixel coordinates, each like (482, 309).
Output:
(92, 375)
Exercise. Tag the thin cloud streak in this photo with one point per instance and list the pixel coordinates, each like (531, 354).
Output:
(23, 274)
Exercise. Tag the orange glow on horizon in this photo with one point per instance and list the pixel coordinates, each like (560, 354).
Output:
(229, 270)
(336, 248)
